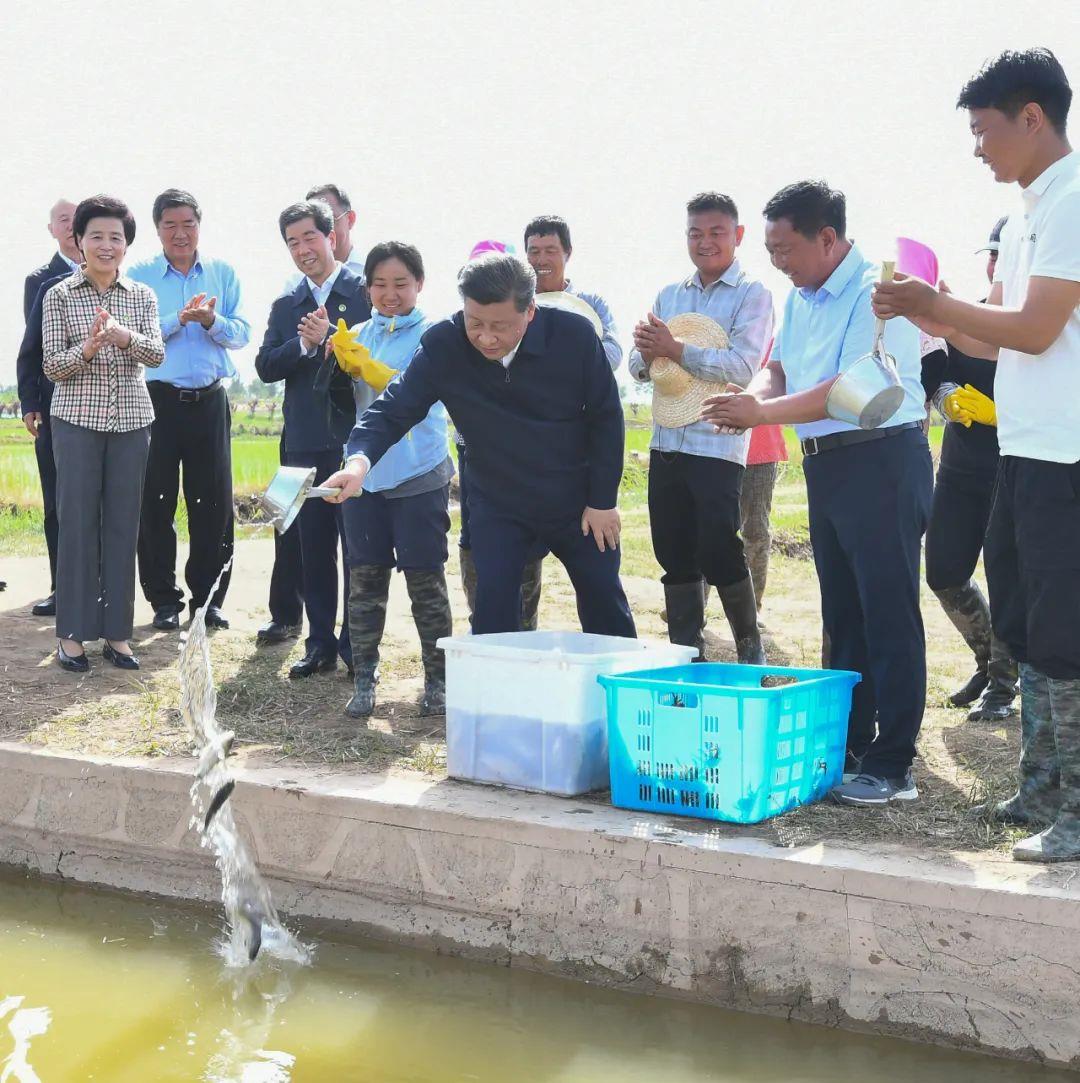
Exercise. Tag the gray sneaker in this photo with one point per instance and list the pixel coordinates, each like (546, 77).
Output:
(871, 790)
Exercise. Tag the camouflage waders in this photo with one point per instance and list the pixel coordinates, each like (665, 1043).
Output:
(431, 613)
(369, 588)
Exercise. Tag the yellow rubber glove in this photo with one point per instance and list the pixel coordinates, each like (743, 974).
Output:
(950, 407)
(979, 407)
(355, 358)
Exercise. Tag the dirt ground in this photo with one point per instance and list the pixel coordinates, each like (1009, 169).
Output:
(112, 713)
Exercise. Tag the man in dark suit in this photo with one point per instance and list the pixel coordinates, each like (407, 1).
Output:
(319, 413)
(35, 391)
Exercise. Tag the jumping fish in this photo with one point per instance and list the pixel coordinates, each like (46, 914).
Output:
(220, 798)
(215, 752)
(251, 912)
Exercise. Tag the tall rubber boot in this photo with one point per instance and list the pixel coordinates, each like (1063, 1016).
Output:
(1061, 841)
(996, 704)
(1038, 796)
(468, 579)
(532, 579)
(686, 616)
(369, 589)
(740, 608)
(431, 613)
(967, 609)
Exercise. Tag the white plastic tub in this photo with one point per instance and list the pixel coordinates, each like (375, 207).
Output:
(524, 709)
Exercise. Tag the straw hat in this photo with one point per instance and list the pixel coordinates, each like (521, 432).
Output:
(569, 302)
(678, 394)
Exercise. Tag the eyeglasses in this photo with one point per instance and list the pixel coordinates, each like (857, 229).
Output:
(338, 217)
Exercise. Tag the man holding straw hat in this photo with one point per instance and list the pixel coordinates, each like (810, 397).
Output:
(704, 332)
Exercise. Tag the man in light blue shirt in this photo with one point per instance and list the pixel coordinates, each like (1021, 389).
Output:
(202, 319)
(869, 491)
(696, 473)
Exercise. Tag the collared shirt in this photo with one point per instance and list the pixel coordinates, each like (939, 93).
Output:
(196, 356)
(108, 392)
(70, 262)
(505, 361)
(320, 294)
(612, 348)
(743, 307)
(825, 331)
(1038, 396)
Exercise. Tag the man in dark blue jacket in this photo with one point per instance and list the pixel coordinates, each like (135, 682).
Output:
(319, 413)
(534, 398)
(35, 390)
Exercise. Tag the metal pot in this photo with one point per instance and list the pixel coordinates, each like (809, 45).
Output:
(286, 493)
(869, 392)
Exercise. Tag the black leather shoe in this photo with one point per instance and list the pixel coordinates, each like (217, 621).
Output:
(45, 608)
(315, 661)
(72, 663)
(215, 618)
(121, 661)
(167, 619)
(275, 632)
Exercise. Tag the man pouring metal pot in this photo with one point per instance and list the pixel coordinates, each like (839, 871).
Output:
(869, 490)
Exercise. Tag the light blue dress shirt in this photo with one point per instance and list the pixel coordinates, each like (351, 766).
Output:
(826, 331)
(194, 355)
(743, 307)
(354, 261)
(610, 342)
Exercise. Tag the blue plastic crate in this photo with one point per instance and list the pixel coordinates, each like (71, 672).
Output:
(708, 740)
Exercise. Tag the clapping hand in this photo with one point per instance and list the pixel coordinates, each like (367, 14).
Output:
(199, 310)
(115, 334)
(97, 336)
(313, 328)
(653, 339)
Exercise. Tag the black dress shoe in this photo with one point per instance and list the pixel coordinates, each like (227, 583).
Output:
(167, 618)
(45, 608)
(215, 618)
(315, 661)
(276, 632)
(78, 663)
(121, 661)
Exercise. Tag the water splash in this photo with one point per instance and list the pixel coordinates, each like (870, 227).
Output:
(253, 923)
(25, 1024)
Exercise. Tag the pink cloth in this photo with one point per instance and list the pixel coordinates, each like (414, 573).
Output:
(481, 248)
(917, 259)
(766, 445)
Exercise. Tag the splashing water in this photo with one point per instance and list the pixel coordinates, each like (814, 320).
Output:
(254, 925)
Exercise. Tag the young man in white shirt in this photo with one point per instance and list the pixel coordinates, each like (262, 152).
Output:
(1018, 106)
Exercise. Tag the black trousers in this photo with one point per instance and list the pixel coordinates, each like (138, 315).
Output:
(46, 464)
(958, 520)
(321, 531)
(193, 437)
(869, 507)
(502, 545)
(465, 540)
(695, 520)
(1032, 556)
(287, 578)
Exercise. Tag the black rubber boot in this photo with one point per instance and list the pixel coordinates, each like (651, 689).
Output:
(740, 608)
(997, 703)
(686, 616)
(531, 581)
(431, 612)
(369, 589)
(967, 609)
(468, 579)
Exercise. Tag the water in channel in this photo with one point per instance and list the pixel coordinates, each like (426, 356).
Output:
(103, 987)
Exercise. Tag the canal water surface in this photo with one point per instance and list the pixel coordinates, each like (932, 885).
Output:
(99, 986)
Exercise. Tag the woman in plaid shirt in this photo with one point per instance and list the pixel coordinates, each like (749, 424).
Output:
(98, 330)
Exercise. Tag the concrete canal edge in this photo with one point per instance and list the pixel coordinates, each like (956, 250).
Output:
(964, 950)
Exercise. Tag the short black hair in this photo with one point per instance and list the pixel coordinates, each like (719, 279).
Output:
(102, 207)
(1012, 80)
(315, 209)
(810, 206)
(712, 201)
(175, 197)
(408, 254)
(334, 190)
(497, 277)
(548, 225)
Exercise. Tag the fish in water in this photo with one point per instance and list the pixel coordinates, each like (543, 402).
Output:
(251, 912)
(217, 749)
(220, 798)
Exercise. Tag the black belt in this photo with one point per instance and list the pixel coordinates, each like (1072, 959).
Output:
(186, 394)
(815, 445)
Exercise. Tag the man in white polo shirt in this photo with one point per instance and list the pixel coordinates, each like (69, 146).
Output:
(1018, 106)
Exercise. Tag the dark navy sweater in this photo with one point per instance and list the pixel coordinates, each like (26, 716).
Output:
(545, 435)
